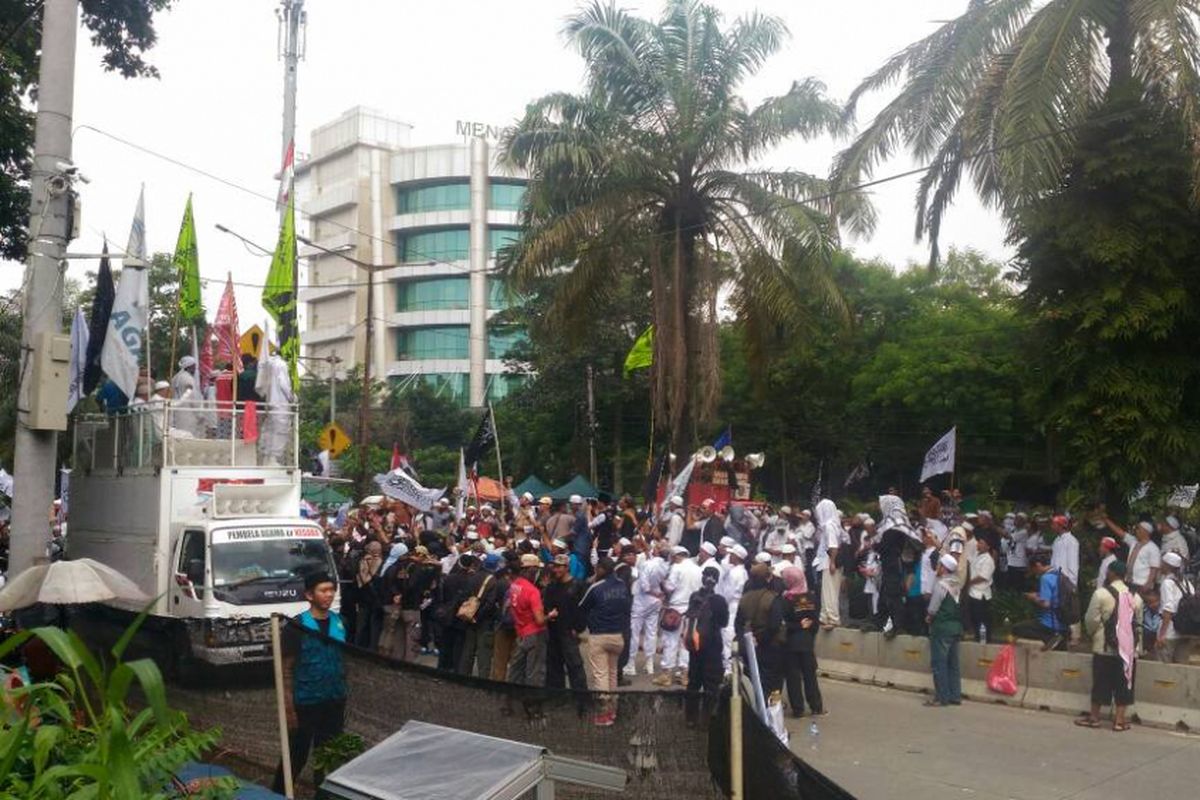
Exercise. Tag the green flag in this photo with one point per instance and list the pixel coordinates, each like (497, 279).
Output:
(187, 264)
(641, 355)
(279, 295)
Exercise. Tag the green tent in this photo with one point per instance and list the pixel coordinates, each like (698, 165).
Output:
(535, 486)
(322, 494)
(578, 485)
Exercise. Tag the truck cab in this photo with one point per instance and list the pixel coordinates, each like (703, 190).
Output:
(198, 505)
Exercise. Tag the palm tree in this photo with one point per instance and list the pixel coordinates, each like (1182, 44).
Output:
(1003, 89)
(646, 170)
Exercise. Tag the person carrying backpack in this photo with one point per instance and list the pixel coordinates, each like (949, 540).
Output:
(1114, 621)
(1180, 612)
(1053, 614)
(707, 615)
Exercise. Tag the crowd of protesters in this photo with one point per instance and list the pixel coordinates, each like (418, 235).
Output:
(587, 594)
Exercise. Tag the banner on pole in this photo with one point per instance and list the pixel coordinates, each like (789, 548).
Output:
(398, 485)
(940, 458)
(1183, 496)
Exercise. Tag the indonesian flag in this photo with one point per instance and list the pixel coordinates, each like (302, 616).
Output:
(225, 328)
(286, 174)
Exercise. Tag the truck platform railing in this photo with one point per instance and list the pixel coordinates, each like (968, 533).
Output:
(145, 438)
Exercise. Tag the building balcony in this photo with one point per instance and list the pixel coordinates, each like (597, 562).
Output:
(328, 333)
(332, 199)
(315, 294)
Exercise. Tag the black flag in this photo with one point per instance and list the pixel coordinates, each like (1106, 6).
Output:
(102, 305)
(485, 437)
(653, 478)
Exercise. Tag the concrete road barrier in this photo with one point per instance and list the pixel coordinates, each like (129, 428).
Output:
(848, 653)
(904, 663)
(1166, 695)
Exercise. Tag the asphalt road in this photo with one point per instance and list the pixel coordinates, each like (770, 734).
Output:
(882, 743)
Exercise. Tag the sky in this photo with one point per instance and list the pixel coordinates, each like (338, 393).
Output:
(217, 108)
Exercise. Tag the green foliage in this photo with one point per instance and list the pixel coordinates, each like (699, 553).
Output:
(998, 92)
(79, 735)
(337, 751)
(1113, 264)
(123, 29)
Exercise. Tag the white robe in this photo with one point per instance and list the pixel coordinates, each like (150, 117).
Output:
(274, 385)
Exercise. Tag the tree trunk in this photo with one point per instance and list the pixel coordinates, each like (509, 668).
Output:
(618, 478)
(1120, 47)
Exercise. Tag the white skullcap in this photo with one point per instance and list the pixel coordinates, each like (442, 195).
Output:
(575, 500)
(527, 496)
(679, 550)
(738, 551)
(763, 558)
(1172, 522)
(624, 542)
(949, 563)
(162, 385)
(709, 547)
(777, 569)
(677, 501)
(187, 361)
(559, 543)
(727, 541)
(1173, 559)
(788, 549)
(785, 510)
(1146, 526)
(967, 527)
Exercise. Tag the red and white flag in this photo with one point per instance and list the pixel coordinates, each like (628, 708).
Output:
(286, 173)
(396, 457)
(225, 328)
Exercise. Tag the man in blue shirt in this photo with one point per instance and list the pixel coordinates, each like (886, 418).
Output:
(1047, 626)
(313, 677)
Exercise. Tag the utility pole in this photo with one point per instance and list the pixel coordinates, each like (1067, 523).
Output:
(365, 403)
(50, 211)
(333, 361)
(591, 401)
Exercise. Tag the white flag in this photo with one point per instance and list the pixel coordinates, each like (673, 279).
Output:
(135, 251)
(399, 485)
(679, 484)
(1183, 496)
(79, 345)
(463, 486)
(6, 482)
(940, 457)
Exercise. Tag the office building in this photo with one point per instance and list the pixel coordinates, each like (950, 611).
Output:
(431, 219)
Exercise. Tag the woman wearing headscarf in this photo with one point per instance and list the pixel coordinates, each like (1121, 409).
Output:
(829, 537)
(370, 609)
(800, 658)
(894, 534)
(945, 630)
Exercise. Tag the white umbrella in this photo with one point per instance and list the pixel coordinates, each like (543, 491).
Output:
(67, 583)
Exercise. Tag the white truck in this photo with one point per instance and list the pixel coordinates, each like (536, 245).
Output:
(202, 518)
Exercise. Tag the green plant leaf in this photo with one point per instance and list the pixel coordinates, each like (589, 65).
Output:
(152, 685)
(46, 738)
(119, 648)
(122, 771)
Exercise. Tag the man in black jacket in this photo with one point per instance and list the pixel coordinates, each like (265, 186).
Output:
(707, 615)
(479, 632)
(450, 631)
(563, 659)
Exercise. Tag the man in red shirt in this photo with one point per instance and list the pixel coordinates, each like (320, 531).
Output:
(528, 662)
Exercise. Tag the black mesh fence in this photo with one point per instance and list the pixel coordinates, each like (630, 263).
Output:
(661, 754)
(769, 768)
(651, 740)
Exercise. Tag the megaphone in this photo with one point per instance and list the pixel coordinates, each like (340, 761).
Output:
(707, 454)
(727, 453)
(756, 460)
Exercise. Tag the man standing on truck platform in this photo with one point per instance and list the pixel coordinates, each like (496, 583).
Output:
(313, 678)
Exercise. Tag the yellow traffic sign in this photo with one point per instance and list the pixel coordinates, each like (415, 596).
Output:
(333, 439)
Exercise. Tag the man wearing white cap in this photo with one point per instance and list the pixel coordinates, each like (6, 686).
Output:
(707, 555)
(184, 381)
(682, 580)
(731, 586)
(1173, 540)
(648, 596)
(1172, 647)
(1145, 559)
(675, 522)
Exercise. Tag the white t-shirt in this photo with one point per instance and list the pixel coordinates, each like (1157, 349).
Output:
(1064, 555)
(675, 529)
(1147, 558)
(1108, 559)
(982, 566)
(1173, 542)
(1170, 593)
(1018, 556)
(683, 580)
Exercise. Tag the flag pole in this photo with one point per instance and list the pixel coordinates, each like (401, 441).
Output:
(499, 463)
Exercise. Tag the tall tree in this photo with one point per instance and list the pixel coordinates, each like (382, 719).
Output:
(650, 169)
(1001, 92)
(123, 29)
(1112, 261)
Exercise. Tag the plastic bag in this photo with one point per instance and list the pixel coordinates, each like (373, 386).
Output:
(1002, 675)
(775, 718)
